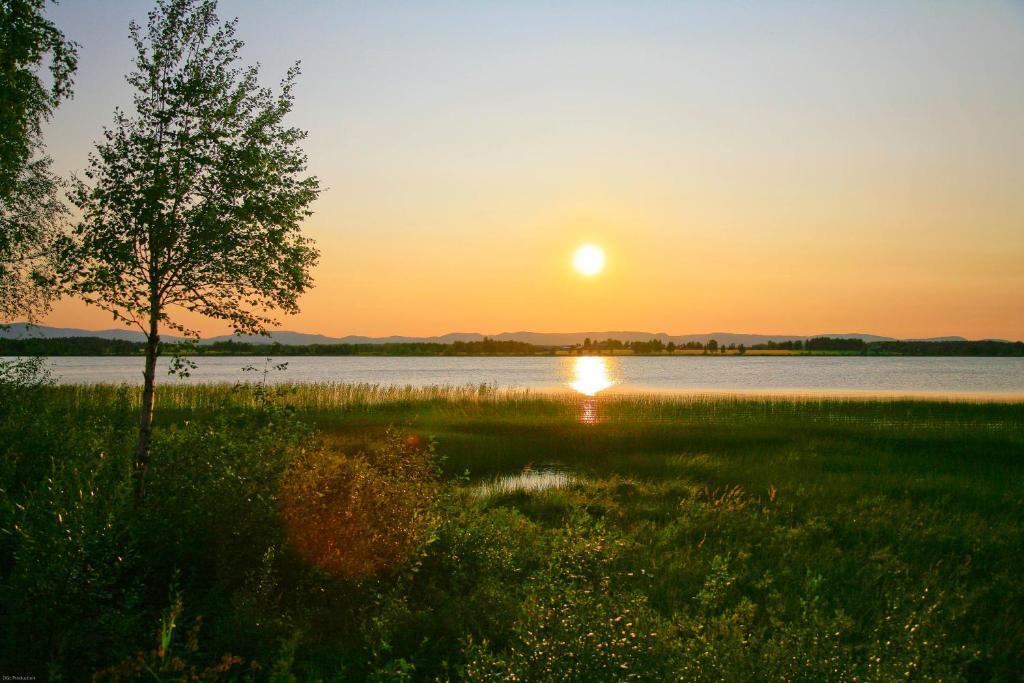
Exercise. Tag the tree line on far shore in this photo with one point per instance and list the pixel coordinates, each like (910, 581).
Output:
(97, 346)
(986, 347)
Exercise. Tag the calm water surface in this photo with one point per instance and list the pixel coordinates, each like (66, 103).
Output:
(589, 375)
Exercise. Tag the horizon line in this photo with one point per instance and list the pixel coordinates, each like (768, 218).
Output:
(523, 331)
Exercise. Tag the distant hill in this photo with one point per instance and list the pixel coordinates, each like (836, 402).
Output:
(27, 330)
(569, 338)
(301, 338)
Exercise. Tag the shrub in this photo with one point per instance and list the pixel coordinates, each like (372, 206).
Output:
(581, 620)
(69, 569)
(212, 490)
(357, 515)
(173, 658)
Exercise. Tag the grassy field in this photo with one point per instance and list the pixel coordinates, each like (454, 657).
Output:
(370, 533)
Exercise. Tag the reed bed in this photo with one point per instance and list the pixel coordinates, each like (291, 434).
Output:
(330, 402)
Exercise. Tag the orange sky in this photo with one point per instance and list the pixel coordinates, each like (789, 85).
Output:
(793, 169)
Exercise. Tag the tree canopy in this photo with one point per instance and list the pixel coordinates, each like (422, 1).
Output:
(195, 199)
(31, 210)
(27, 41)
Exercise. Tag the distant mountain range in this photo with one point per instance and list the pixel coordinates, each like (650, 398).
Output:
(24, 330)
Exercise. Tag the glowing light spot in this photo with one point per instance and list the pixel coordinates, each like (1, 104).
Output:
(588, 260)
(590, 375)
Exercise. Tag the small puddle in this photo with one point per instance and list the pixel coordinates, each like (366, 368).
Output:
(527, 481)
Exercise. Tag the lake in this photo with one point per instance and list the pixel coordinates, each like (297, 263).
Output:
(590, 375)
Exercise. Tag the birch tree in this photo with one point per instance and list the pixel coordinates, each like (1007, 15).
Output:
(193, 200)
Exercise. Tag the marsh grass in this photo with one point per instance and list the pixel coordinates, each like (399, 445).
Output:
(528, 481)
(326, 403)
(695, 537)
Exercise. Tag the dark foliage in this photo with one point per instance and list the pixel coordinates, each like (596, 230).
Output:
(31, 209)
(28, 40)
(95, 346)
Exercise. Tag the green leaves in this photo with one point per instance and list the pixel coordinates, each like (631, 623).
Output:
(27, 41)
(31, 211)
(197, 196)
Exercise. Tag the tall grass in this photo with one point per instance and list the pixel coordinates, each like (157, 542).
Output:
(324, 400)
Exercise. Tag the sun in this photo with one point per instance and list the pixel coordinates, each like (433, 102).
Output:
(588, 260)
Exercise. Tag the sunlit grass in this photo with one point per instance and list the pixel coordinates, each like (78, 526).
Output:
(327, 399)
(527, 481)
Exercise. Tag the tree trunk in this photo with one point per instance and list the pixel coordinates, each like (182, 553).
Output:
(148, 401)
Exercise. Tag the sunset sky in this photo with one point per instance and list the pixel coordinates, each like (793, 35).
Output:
(783, 167)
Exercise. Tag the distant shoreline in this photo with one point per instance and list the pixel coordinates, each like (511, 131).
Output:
(818, 346)
(297, 352)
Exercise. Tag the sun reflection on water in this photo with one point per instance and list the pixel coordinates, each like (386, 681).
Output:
(591, 375)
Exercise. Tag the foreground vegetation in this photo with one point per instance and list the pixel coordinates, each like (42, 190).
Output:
(369, 533)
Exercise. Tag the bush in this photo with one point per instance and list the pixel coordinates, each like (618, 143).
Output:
(357, 515)
(211, 502)
(581, 620)
(70, 567)
(173, 657)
